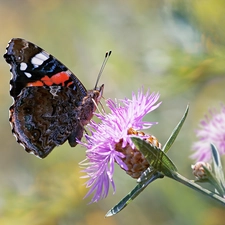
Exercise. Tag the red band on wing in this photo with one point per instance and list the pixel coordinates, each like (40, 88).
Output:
(59, 78)
(47, 80)
(36, 83)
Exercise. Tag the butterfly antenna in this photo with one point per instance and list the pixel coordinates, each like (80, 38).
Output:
(107, 54)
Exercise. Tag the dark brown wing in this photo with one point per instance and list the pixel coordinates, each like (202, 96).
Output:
(44, 117)
(50, 105)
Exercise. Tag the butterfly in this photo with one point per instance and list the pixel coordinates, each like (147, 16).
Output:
(51, 105)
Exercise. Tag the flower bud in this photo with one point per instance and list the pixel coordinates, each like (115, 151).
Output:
(199, 171)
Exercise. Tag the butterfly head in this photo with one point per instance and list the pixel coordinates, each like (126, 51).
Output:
(98, 93)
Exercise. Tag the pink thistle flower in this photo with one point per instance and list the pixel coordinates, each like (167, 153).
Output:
(110, 136)
(211, 131)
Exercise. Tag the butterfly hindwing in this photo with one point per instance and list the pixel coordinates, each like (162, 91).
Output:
(50, 104)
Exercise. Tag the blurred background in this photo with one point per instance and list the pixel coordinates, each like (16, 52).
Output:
(173, 47)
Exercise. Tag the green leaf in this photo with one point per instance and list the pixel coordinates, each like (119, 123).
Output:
(155, 157)
(214, 181)
(133, 194)
(217, 166)
(146, 174)
(175, 132)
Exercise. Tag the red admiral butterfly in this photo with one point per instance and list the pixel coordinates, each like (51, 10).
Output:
(50, 104)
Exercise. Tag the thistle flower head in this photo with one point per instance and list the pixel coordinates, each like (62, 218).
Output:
(110, 141)
(211, 130)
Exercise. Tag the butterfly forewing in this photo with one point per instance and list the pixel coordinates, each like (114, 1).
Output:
(51, 105)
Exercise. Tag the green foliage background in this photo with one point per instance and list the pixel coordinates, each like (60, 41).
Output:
(174, 47)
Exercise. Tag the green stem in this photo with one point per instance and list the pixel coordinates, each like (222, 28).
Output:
(178, 177)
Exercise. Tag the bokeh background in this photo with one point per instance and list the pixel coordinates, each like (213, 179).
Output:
(173, 47)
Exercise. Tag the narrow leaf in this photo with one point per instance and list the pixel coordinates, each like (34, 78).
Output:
(214, 181)
(146, 174)
(133, 194)
(217, 166)
(175, 132)
(155, 156)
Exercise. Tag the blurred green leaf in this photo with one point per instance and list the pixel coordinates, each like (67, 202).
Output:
(214, 181)
(175, 132)
(217, 167)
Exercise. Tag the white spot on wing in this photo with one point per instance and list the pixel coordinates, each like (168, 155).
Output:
(23, 66)
(42, 56)
(38, 59)
(22, 144)
(32, 153)
(28, 75)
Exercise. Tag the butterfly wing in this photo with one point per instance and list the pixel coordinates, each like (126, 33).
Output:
(32, 66)
(46, 96)
(43, 118)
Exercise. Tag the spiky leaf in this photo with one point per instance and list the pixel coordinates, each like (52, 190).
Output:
(175, 132)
